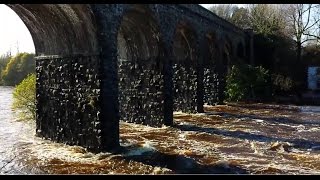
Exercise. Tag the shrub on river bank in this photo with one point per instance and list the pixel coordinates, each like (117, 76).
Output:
(24, 97)
(246, 82)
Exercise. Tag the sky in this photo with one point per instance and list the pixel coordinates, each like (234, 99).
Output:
(15, 35)
(209, 5)
(13, 32)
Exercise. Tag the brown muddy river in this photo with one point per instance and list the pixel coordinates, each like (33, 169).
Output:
(234, 139)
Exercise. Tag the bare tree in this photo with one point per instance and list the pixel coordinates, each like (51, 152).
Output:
(224, 10)
(232, 13)
(240, 17)
(266, 19)
(304, 24)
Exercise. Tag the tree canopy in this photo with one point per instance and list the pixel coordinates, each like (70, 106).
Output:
(17, 68)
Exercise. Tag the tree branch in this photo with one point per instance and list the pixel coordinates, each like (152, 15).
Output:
(308, 19)
(312, 35)
(307, 40)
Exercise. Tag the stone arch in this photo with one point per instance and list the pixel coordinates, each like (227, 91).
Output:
(59, 29)
(225, 63)
(211, 40)
(211, 59)
(67, 70)
(185, 68)
(140, 67)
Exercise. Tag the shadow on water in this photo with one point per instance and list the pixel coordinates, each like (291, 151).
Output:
(180, 164)
(275, 107)
(275, 120)
(297, 143)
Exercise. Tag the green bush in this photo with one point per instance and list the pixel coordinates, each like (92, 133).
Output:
(24, 97)
(282, 84)
(246, 82)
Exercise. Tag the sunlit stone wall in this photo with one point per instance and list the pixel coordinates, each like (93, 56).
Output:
(68, 98)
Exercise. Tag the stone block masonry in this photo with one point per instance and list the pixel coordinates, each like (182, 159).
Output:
(68, 98)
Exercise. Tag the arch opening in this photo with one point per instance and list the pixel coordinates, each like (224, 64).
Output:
(140, 68)
(227, 56)
(225, 68)
(210, 80)
(184, 70)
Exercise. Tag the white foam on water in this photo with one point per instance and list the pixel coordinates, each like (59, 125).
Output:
(258, 120)
(146, 147)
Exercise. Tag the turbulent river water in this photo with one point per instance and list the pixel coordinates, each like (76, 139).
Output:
(230, 139)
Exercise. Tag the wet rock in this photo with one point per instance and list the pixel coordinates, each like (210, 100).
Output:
(280, 146)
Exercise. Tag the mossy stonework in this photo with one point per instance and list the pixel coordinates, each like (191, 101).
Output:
(98, 64)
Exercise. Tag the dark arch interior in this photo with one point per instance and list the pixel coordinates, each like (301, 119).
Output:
(185, 70)
(225, 68)
(227, 56)
(59, 29)
(184, 45)
(240, 50)
(140, 68)
(212, 50)
(210, 70)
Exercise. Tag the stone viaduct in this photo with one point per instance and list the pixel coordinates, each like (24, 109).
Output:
(100, 63)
